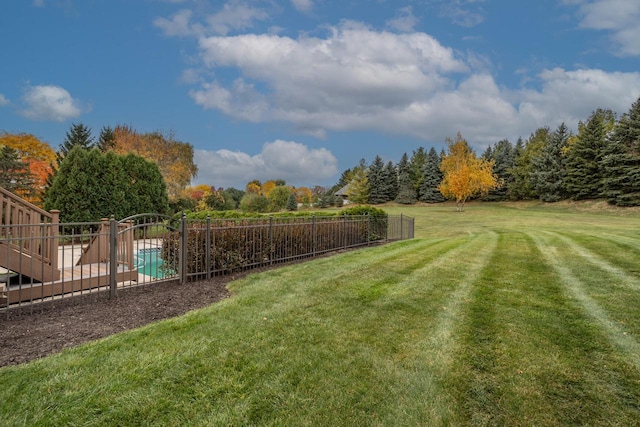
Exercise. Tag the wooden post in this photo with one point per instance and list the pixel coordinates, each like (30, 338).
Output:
(55, 238)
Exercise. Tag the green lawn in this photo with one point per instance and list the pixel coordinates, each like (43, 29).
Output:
(507, 314)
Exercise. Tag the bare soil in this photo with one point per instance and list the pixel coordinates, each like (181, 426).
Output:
(28, 333)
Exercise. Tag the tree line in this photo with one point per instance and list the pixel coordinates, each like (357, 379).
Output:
(121, 172)
(600, 161)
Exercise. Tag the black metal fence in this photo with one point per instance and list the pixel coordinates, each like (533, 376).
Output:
(151, 248)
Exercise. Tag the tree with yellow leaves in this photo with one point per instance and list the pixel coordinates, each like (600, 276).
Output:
(465, 175)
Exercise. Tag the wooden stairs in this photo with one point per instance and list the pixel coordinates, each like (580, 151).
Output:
(30, 246)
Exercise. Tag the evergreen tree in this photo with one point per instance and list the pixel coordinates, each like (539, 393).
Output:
(406, 192)
(416, 164)
(78, 135)
(549, 172)
(585, 170)
(391, 180)
(622, 160)
(378, 193)
(292, 204)
(107, 139)
(504, 158)
(14, 174)
(91, 185)
(432, 177)
(521, 186)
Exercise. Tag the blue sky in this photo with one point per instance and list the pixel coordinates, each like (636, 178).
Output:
(303, 89)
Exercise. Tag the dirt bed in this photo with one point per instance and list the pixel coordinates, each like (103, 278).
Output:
(29, 333)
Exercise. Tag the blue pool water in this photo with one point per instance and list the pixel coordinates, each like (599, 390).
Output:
(148, 262)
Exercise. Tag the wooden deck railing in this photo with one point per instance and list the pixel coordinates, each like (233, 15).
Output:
(29, 230)
(98, 248)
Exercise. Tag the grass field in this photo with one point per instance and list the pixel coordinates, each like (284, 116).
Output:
(506, 314)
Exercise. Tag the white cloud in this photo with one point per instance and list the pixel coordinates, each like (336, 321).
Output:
(620, 17)
(571, 96)
(356, 78)
(38, 3)
(304, 6)
(3, 101)
(405, 21)
(50, 103)
(178, 25)
(294, 162)
(235, 15)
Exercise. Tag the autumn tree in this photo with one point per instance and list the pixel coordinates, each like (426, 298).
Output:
(465, 175)
(38, 156)
(174, 158)
(358, 190)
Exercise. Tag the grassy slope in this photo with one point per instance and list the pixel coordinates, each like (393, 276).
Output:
(505, 314)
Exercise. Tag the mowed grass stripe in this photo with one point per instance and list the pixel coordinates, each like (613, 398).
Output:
(620, 275)
(393, 317)
(437, 350)
(526, 354)
(626, 343)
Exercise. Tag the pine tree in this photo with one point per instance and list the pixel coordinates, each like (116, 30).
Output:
(503, 156)
(78, 135)
(585, 170)
(406, 192)
(107, 139)
(549, 172)
(622, 160)
(14, 174)
(292, 204)
(391, 180)
(416, 165)
(432, 177)
(521, 186)
(378, 192)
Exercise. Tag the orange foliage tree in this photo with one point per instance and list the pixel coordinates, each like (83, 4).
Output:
(38, 156)
(174, 158)
(465, 175)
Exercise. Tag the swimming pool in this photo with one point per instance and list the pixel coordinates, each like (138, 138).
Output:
(149, 263)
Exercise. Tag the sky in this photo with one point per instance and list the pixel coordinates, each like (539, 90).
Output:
(301, 90)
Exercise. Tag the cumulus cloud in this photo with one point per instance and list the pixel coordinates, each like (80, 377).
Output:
(304, 6)
(294, 162)
(619, 17)
(49, 103)
(3, 101)
(404, 83)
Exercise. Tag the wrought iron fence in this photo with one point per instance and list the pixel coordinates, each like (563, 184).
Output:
(150, 248)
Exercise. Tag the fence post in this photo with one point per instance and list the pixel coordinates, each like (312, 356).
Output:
(344, 230)
(55, 236)
(368, 228)
(401, 227)
(271, 248)
(113, 257)
(207, 251)
(182, 250)
(313, 232)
